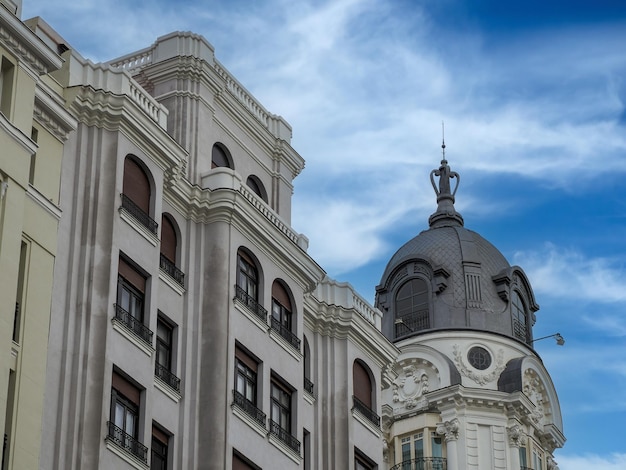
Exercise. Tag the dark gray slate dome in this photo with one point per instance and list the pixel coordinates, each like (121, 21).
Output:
(449, 277)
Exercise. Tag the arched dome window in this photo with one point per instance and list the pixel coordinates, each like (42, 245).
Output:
(411, 307)
(520, 318)
(254, 183)
(220, 157)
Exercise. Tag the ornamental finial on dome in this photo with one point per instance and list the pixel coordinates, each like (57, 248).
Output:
(446, 213)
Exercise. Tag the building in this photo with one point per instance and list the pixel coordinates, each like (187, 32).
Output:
(470, 392)
(186, 326)
(33, 127)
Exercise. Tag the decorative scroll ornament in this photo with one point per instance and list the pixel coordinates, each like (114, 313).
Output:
(517, 436)
(533, 389)
(449, 429)
(551, 464)
(480, 378)
(411, 385)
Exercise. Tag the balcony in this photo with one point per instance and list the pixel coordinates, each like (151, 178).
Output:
(166, 376)
(366, 411)
(412, 322)
(248, 408)
(308, 386)
(422, 463)
(286, 333)
(170, 268)
(127, 442)
(284, 436)
(138, 214)
(133, 324)
(251, 303)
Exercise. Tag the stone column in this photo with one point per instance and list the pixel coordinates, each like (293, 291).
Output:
(450, 431)
(517, 438)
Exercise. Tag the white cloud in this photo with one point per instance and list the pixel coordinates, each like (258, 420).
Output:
(616, 461)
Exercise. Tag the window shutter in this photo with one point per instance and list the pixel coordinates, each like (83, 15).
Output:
(362, 386)
(247, 360)
(168, 239)
(136, 185)
(127, 389)
(131, 275)
(280, 294)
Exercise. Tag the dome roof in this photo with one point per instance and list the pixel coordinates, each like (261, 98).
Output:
(449, 277)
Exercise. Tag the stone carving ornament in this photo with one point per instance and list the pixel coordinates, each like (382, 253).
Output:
(533, 389)
(475, 375)
(517, 436)
(449, 429)
(411, 385)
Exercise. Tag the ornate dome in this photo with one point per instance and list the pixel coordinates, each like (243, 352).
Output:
(449, 277)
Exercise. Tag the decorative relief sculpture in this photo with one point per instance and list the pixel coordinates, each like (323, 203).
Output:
(551, 464)
(449, 429)
(410, 385)
(480, 378)
(517, 436)
(534, 390)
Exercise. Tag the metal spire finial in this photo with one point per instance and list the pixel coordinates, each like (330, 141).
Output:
(443, 143)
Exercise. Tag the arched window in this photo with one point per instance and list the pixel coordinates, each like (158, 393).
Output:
(137, 194)
(248, 283)
(362, 383)
(411, 307)
(520, 317)
(220, 157)
(282, 314)
(257, 187)
(168, 239)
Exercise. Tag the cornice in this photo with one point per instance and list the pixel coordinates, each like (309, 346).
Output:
(18, 136)
(51, 113)
(25, 44)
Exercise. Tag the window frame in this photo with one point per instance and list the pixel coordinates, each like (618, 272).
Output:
(281, 404)
(415, 316)
(248, 279)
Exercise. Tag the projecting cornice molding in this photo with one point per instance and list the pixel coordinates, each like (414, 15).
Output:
(52, 115)
(25, 44)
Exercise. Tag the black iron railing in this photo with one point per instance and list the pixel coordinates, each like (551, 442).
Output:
(422, 463)
(166, 376)
(133, 324)
(248, 407)
(308, 386)
(284, 436)
(251, 303)
(412, 322)
(365, 411)
(286, 333)
(127, 442)
(170, 268)
(520, 331)
(138, 214)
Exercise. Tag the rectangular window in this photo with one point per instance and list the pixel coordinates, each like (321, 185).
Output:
(436, 442)
(537, 460)
(165, 362)
(34, 135)
(362, 462)
(246, 376)
(522, 457)
(19, 298)
(7, 72)
(131, 286)
(281, 405)
(124, 418)
(306, 451)
(242, 463)
(160, 443)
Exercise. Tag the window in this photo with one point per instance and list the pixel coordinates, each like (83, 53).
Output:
(169, 248)
(282, 318)
(242, 463)
(124, 423)
(308, 384)
(136, 194)
(160, 441)
(129, 309)
(520, 324)
(306, 449)
(164, 352)
(34, 136)
(254, 183)
(362, 462)
(247, 288)
(281, 414)
(537, 460)
(523, 461)
(7, 72)
(220, 157)
(417, 452)
(245, 392)
(19, 298)
(412, 312)
(363, 389)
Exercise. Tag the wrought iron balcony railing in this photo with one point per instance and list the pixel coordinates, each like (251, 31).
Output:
(248, 407)
(127, 442)
(422, 463)
(308, 386)
(286, 333)
(284, 436)
(138, 214)
(133, 324)
(251, 303)
(170, 268)
(365, 411)
(166, 376)
(413, 322)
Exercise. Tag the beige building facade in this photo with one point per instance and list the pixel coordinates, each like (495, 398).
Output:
(33, 127)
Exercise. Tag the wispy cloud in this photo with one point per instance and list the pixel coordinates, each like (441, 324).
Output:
(614, 461)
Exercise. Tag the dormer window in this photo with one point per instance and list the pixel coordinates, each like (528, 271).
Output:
(519, 317)
(411, 307)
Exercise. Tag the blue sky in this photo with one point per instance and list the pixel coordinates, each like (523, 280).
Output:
(533, 95)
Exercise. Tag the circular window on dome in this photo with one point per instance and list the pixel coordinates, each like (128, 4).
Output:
(479, 358)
